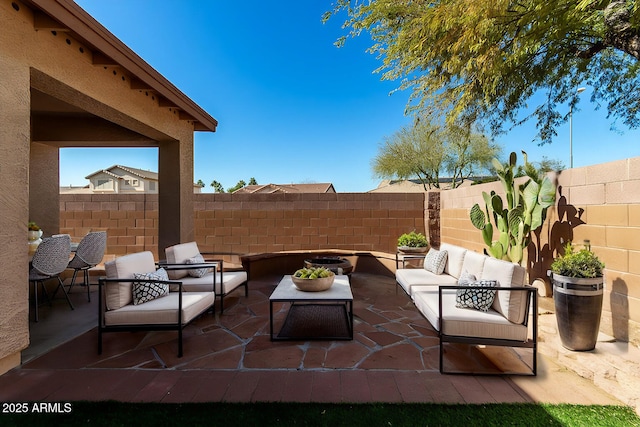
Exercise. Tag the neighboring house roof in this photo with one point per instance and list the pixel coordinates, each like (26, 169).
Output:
(107, 49)
(133, 171)
(287, 188)
(415, 185)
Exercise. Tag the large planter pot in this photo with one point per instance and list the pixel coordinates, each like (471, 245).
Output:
(578, 304)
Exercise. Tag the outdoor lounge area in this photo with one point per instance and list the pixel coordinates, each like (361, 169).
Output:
(229, 357)
(109, 97)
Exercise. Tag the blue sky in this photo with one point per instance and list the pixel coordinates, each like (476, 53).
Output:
(292, 107)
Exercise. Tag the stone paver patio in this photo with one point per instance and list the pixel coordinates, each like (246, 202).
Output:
(229, 357)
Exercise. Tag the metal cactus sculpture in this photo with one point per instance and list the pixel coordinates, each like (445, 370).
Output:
(525, 210)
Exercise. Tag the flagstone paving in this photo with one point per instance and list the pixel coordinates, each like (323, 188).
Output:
(230, 357)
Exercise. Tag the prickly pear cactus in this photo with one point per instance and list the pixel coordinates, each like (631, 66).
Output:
(524, 211)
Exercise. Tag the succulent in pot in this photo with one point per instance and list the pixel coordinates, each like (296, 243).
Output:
(412, 242)
(578, 287)
(578, 264)
(32, 226)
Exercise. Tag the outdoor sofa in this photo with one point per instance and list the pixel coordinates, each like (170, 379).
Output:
(474, 299)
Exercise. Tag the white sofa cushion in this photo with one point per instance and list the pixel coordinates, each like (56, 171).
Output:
(463, 321)
(119, 294)
(455, 257)
(435, 261)
(473, 263)
(162, 310)
(409, 278)
(512, 305)
(179, 254)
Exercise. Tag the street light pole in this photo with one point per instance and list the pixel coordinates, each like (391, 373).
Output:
(578, 91)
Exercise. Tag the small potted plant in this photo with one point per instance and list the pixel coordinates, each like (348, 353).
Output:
(34, 234)
(412, 243)
(578, 286)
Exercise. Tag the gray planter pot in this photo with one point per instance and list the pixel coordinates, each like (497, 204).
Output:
(578, 304)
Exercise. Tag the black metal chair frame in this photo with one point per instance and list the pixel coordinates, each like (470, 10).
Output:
(102, 327)
(209, 263)
(531, 308)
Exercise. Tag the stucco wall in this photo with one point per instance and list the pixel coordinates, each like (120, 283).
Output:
(598, 203)
(56, 64)
(14, 201)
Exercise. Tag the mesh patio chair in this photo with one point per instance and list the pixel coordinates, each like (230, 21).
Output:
(89, 253)
(49, 260)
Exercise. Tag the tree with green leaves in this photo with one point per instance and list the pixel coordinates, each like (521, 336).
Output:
(238, 186)
(482, 61)
(252, 181)
(217, 187)
(426, 151)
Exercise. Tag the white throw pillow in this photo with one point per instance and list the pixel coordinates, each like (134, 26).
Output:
(466, 278)
(197, 272)
(435, 261)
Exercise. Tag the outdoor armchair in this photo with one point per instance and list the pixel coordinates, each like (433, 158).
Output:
(135, 296)
(49, 260)
(89, 253)
(186, 255)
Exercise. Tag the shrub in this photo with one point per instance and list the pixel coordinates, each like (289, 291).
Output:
(413, 239)
(580, 264)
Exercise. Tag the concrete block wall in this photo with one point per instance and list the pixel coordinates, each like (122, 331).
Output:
(131, 221)
(255, 223)
(252, 223)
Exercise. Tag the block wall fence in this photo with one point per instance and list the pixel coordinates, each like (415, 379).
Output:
(598, 203)
(252, 223)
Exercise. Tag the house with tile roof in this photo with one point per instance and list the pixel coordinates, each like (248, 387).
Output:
(120, 179)
(123, 179)
(286, 188)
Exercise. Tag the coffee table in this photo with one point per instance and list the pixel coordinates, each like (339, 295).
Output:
(325, 315)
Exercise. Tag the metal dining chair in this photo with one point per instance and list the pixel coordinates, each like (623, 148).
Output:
(49, 260)
(89, 253)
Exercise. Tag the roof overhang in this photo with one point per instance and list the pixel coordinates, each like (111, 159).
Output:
(107, 49)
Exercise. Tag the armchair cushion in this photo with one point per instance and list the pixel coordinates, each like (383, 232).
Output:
(120, 294)
(148, 291)
(179, 254)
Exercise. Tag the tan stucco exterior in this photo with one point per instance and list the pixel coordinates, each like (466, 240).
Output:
(67, 82)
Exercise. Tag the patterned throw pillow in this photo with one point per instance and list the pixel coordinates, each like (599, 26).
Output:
(435, 261)
(480, 299)
(466, 278)
(147, 291)
(197, 272)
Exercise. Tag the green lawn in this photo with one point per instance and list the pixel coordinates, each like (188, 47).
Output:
(318, 414)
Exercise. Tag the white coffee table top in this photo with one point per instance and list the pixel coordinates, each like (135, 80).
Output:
(287, 291)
